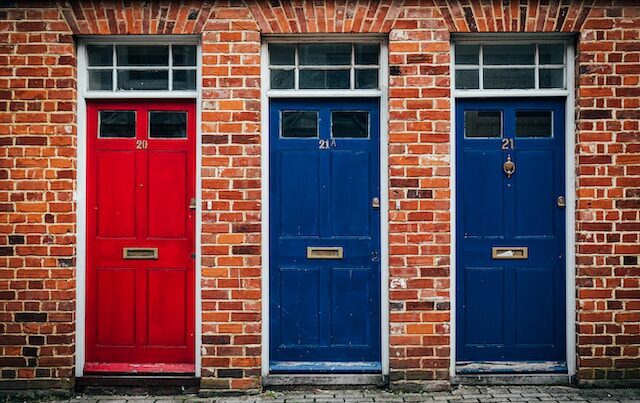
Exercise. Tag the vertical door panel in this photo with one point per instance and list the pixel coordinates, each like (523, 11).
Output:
(534, 192)
(116, 307)
(300, 308)
(167, 298)
(349, 307)
(116, 196)
(483, 201)
(167, 194)
(350, 172)
(299, 190)
(484, 300)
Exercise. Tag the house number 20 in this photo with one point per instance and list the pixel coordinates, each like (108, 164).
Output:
(326, 144)
(141, 144)
(507, 144)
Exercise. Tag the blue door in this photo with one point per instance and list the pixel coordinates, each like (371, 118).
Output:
(510, 231)
(324, 235)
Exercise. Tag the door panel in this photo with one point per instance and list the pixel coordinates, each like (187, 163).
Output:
(116, 215)
(324, 174)
(139, 187)
(511, 300)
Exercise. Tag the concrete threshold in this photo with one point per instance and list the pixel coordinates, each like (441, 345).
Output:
(285, 381)
(512, 379)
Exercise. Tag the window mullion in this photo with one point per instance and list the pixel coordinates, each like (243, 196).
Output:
(170, 78)
(481, 68)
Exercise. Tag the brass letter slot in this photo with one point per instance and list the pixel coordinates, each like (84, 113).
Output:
(324, 252)
(139, 253)
(506, 252)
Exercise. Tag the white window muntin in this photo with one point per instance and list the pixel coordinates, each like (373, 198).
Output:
(536, 66)
(352, 67)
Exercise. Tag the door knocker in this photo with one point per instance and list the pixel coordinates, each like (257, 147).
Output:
(509, 166)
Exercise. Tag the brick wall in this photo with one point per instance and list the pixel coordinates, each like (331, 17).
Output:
(37, 223)
(38, 134)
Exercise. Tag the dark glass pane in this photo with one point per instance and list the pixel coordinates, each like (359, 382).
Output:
(281, 79)
(467, 79)
(282, 54)
(136, 55)
(299, 124)
(534, 123)
(184, 55)
(508, 78)
(508, 54)
(184, 80)
(367, 53)
(320, 54)
(314, 79)
(168, 125)
(482, 124)
(100, 80)
(551, 53)
(350, 124)
(100, 55)
(551, 78)
(367, 79)
(143, 80)
(467, 54)
(117, 124)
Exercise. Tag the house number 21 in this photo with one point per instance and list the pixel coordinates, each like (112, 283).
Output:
(326, 144)
(507, 144)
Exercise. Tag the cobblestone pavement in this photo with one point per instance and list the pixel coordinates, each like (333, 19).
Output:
(461, 394)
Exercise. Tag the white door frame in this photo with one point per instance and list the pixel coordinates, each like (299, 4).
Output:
(382, 94)
(570, 178)
(83, 95)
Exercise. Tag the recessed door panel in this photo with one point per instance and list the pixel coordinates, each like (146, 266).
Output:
(116, 198)
(300, 309)
(140, 234)
(116, 296)
(350, 294)
(510, 226)
(534, 193)
(168, 194)
(298, 176)
(167, 297)
(350, 173)
(483, 203)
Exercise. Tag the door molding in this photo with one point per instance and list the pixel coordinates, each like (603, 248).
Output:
(79, 195)
(570, 191)
(382, 94)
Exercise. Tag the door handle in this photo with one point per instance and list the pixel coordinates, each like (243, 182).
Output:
(509, 167)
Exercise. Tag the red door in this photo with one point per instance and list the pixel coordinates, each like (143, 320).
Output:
(140, 236)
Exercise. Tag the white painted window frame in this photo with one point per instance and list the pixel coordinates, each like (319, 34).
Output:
(570, 179)
(81, 186)
(382, 94)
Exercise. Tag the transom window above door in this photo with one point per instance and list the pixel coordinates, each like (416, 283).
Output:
(324, 66)
(505, 66)
(135, 67)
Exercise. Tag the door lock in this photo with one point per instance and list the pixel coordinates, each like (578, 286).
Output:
(509, 166)
(375, 256)
(375, 202)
